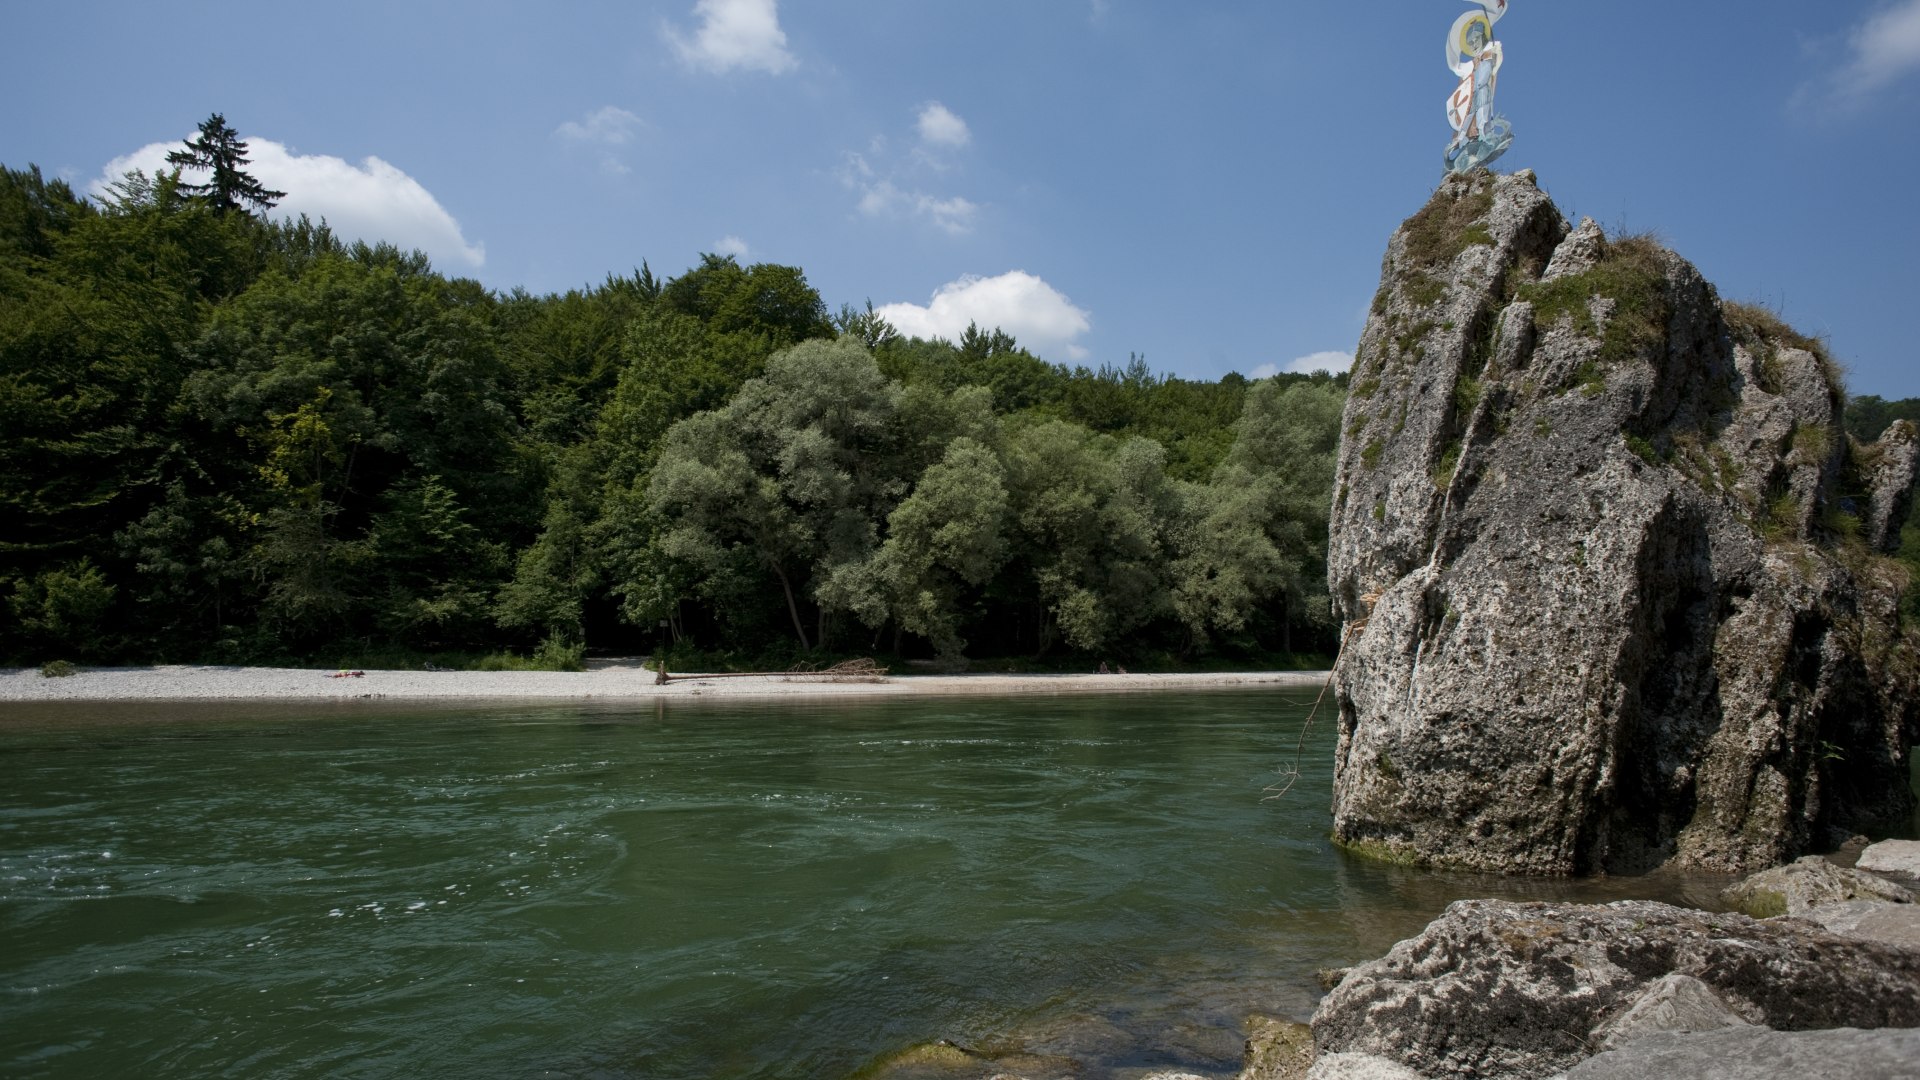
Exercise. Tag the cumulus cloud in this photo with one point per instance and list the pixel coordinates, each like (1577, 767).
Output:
(734, 246)
(1034, 312)
(1879, 52)
(735, 34)
(372, 201)
(939, 126)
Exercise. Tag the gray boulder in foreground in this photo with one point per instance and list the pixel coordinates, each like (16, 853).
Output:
(1613, 571)
(1497, 990)
(1754, 1053)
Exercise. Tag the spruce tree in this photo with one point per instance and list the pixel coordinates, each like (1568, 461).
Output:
(219, 149)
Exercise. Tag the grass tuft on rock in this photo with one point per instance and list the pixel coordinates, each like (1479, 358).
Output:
(1448, 225)
(1632, 273)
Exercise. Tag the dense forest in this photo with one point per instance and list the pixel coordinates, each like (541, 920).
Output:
(236, 439)
(232, 439)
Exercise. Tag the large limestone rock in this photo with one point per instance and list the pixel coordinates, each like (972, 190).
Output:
(1500, 990)
(1613, 572)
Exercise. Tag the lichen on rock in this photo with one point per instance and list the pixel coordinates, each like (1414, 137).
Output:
(1614, 574)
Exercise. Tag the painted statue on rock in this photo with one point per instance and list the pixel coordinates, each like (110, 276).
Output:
(1480, 135)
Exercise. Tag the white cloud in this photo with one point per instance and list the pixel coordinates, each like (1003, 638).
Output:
(734, 246)
(372, 201)
(1034, 312)
(736, 34)
(880, 197)
(1333, 361)
(1878, 52)
(609, 125)
(1885, 47)
(605, 130)
(939, 126)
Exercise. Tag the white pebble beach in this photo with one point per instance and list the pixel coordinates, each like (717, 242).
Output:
(613, 679)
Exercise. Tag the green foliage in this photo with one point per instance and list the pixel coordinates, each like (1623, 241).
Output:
(1779, 516)
(1370, 456)
(1869, 416)
(63, 610)
(58, 669)
(1590, 378)
(1643, 449)
(1466, 395)
(233, 440)
(556, 653)
(1449, 463)
(1424, 290)
(219, 150)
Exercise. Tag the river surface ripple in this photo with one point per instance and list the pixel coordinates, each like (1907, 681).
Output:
(731, 890)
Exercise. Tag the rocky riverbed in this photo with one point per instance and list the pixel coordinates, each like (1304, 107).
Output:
(1824, 983)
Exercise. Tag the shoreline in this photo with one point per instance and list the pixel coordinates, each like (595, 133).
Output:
(605, 680)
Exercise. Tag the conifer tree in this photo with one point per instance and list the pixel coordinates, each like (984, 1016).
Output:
(220, 150)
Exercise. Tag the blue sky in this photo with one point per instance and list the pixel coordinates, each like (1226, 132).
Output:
(1209, 184)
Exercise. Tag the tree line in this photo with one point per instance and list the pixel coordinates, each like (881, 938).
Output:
(233, 439)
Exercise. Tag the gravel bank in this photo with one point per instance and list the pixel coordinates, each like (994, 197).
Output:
(606, 679)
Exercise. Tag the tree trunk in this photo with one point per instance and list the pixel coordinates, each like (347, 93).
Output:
(793, 609)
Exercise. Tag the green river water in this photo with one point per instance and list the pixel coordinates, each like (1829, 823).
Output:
(689, 890)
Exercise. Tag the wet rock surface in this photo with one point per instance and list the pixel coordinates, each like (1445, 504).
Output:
(1612, 569)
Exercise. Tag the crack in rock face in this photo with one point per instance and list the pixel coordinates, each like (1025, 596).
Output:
(1615, 576)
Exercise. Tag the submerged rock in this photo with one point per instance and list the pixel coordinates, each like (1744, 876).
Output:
(1501, 990)
(1799, 887)
(1613, 572)
(1277, 1049)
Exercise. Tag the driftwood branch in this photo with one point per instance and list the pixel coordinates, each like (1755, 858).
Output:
(859, 670)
